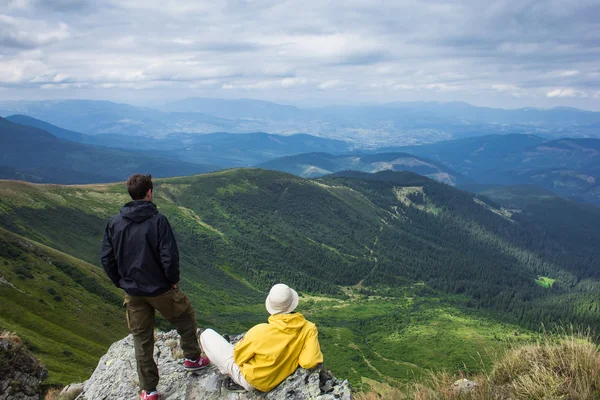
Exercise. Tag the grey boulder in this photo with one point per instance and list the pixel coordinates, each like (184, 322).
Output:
(115, 377)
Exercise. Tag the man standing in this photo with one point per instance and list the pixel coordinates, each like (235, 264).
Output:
(140, 256)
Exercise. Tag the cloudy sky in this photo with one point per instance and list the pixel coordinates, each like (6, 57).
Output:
(507, 53)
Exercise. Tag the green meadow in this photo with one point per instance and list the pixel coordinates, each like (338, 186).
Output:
(398, 337)
(544, 281)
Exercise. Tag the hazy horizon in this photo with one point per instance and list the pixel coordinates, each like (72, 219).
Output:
(154, 104)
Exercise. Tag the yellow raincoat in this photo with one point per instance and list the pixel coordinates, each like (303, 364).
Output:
(271, 352)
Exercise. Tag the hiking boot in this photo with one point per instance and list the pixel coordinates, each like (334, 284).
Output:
(195, 365)
(149, 395)
(230, 385)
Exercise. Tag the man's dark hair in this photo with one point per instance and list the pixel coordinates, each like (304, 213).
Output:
(138, 185)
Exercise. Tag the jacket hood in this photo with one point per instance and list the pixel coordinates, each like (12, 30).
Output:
(288, 323)
(139, 210)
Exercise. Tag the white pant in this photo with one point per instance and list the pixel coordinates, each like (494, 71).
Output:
(220, 353)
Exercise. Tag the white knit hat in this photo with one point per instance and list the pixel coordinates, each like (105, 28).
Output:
(281, 299)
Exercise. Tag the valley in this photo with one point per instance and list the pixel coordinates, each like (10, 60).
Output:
(434, 278)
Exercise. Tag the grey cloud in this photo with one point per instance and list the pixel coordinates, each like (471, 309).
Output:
(14, 42)
(66, 5)
(19, 33)
(362, 58)
(229, 47)
(54, 6)
(380, 50)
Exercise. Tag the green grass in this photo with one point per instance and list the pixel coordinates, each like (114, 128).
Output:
(53, 310)
(545, 282)
(555, 366)
(400, 338)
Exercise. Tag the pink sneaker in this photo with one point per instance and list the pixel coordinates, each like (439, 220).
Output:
(149, 396)
(195, 365)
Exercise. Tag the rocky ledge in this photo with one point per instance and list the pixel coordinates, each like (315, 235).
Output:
(116, 378)
(21, 374)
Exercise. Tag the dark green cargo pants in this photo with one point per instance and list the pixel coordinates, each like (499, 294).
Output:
(175, 306)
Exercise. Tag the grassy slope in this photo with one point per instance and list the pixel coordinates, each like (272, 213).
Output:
(239, 231)
(46, 299)
(72, 219)
(560, 365)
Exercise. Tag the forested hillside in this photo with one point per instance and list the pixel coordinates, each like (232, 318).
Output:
(426, 275)
(490, 253)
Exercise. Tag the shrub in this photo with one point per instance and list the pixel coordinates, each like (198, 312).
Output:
(24, 272)
(564, 367)
(7, 250)
(567, 368)
(54, 394)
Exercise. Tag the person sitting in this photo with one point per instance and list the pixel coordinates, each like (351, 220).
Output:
(269, 352)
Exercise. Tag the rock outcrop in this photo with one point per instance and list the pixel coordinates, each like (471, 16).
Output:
(116, 378)
(464, 386)
(21, 374)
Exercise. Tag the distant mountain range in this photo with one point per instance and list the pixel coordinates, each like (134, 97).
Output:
(221, 149)
(566, 166)
(236, 109)
(236, 150)
(460, 111)
(32, 154)
(36, 151)
(366, 127)
(258, 142)
(312, 165)
(569, 167)
(53, 129)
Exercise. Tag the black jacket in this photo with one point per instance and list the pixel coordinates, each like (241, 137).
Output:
(139, 252)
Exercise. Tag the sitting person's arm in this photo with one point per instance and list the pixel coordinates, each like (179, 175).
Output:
(244, 350)
(311, 352)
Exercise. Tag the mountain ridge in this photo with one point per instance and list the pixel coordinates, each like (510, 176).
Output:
(314, 165)
(569, 167)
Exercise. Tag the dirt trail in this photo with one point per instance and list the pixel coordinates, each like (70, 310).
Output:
(355, 347)
(397, 362)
